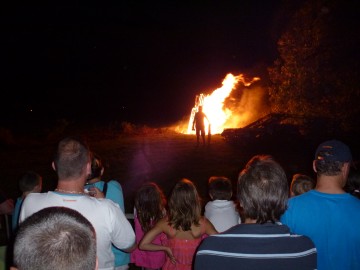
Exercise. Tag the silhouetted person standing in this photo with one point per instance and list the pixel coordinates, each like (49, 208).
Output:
(199, 124)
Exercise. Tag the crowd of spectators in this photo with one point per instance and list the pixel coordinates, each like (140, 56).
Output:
(266, 224)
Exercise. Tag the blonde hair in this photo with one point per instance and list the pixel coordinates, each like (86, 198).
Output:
(301, 183)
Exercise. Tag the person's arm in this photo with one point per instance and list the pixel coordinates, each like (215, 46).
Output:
(130, 249)
(7, 207)
(122, 233)
(115, 193)
(207, 119)
(146, 242)
(209, 227)
(95, 192)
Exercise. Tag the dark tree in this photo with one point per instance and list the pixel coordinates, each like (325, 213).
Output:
(317, 72)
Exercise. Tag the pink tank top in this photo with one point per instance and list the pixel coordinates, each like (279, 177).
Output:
(183, 250)
(147, 259)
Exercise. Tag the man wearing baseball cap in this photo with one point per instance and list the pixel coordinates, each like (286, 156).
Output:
(327, 214)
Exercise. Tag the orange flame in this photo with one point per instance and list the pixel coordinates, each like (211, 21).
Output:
(219, 116)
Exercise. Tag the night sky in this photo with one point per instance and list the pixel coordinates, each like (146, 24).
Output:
(133, 61)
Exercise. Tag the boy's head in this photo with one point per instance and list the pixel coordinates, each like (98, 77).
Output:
(220, 188)
(30, 182)
(300, 184)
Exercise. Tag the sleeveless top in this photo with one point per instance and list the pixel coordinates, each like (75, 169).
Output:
(183, 250)
(147, 259)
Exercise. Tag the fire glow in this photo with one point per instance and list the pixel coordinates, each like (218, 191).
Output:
(219, 115)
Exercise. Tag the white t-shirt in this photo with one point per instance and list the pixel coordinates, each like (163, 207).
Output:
(222, 214)
(110, 223)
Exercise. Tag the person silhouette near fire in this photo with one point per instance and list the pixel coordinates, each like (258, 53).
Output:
(199, 125)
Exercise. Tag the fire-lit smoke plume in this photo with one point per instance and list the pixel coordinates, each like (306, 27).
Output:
(233, 105)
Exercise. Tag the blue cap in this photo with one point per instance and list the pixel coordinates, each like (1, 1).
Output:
(333, 150)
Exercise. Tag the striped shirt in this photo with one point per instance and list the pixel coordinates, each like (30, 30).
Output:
(256, 246)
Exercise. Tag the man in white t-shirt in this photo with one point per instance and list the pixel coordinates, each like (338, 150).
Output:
(72, 164)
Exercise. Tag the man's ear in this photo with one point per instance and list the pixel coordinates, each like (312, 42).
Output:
(53, 166)
(314, 166)
(88, 168)
(346, 170)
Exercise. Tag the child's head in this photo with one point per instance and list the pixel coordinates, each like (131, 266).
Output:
(220, 188)
(300, 184)
(184, 205)
(150, 205)
(30, 182)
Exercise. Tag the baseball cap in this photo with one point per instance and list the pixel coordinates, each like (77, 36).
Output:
(333, 150)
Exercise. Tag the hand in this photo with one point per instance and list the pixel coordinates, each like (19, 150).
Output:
(171, 256)
(95, 192)
(193, 128)
(7, 207)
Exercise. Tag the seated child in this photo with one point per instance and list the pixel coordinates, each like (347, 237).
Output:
(221, 211)
(28, 183)
(300, 184)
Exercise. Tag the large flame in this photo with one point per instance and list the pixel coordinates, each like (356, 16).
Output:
(219, 116)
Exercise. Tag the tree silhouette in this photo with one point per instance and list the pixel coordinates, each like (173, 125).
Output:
(317, 72)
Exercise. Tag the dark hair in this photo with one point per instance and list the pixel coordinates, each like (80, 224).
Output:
(71, 157)
(150, 203)
(184, 206)
(263, 189)
(29, 180)
(55, 238)
(301, 183)
(96, 166)
(220, 188)
(353, 183)
(328, 167)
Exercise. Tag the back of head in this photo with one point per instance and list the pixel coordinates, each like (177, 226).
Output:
(71, 158)
(184, 205)
(220, 188)
(150, 205)
(96, 166)
(300, 184)
(55, 238)
(29, 180)
(330, 157)
(263, 189)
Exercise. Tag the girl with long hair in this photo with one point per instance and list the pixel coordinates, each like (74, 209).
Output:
(150, 203)
(184, 227)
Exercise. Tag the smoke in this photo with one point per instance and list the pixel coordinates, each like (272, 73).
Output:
(248, 106)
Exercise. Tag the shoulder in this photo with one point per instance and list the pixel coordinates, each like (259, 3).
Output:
(205, 224)
(114, 183)
(163, 222)
(34, 197)
(209, 204)
(300, 199)
(105, 203)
